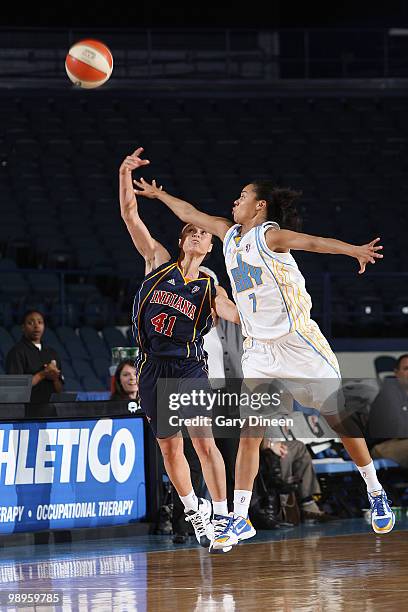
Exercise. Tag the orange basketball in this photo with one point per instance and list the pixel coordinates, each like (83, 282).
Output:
(89, 63)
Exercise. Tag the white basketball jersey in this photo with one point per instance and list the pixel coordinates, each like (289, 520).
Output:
(268, 288)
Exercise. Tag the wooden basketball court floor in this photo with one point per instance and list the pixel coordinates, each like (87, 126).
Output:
(333, 567)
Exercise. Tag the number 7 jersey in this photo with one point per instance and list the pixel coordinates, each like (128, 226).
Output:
(268, 288)
(171, 313)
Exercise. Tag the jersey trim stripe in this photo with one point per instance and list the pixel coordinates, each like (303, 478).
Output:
(201, 307)
(277, 284)
(233, 232)
(192, 280)
(139, 371)
(164, 273)
(267, 250)
(319, 353)
(294, 302)
(317, 338)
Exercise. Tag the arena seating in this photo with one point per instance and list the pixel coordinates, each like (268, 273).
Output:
(85, 353)
(59, 156)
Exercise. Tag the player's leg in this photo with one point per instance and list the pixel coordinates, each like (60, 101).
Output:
(382, 517)
(193, 383)
(255, 362)
(212, 465)
(197, 510)
(176, 466)
(170, 441)
(322, 365)
(213, 468)
(246, 467)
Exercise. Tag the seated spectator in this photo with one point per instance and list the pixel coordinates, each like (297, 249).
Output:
(126, 387)
(296, 466)
(30, 356)
(388, 418)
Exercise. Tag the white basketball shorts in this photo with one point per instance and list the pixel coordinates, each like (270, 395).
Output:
(302, 362)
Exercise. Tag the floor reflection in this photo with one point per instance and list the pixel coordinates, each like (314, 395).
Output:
(329, 567)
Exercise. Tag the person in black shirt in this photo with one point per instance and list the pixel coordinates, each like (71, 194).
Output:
(30, 356)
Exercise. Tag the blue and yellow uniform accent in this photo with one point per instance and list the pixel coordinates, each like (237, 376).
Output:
(171, 315)
(185, 309)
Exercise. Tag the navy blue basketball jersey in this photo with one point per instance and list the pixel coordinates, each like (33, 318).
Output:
(171, 314)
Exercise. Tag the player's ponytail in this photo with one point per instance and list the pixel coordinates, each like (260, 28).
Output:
(281, 204)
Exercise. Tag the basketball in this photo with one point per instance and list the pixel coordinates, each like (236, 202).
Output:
(89, 63)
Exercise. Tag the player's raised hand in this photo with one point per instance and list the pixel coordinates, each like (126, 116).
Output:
(368, 253)
(133, 161)
(146, 189)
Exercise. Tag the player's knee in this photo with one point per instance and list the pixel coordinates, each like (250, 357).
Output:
(205, 447)
(171, 452)
(250, 443)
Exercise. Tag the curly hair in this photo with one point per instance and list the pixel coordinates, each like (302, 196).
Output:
(281, 203)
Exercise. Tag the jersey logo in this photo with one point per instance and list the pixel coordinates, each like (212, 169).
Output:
(245, 275)
(174, 301)
(247, 247)
(171, 281)
(195, 289)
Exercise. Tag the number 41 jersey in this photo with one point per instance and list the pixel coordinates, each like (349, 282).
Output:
(171, 314)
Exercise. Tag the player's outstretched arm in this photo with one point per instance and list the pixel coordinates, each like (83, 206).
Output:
(151, 250)
(224, 307)
(282, 240)
(218, 226)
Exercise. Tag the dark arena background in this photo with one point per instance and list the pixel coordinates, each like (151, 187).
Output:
(217, 95)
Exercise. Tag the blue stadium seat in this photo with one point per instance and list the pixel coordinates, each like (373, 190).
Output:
(6, 342)
(82, 368)
(71, 312)
(67, 369)
(92, 383)
(62, 206)
(72, 343)
(96, 347)
(72, 384)
(44, 284)
(13, 285)
(6, 312)
(97, 312)
(50, 339)
(16, 332)
(384, 366)
(7, 264)
(101, 367)
(114, 337)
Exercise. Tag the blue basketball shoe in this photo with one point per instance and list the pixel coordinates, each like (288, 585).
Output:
(229, 530)
(382, 517)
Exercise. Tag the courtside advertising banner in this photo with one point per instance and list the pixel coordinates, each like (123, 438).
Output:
(67, 474)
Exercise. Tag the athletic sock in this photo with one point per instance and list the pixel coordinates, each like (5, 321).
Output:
(190, 501)
(311, 506)
(242, 499)
(220, 507)
(368, 472)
